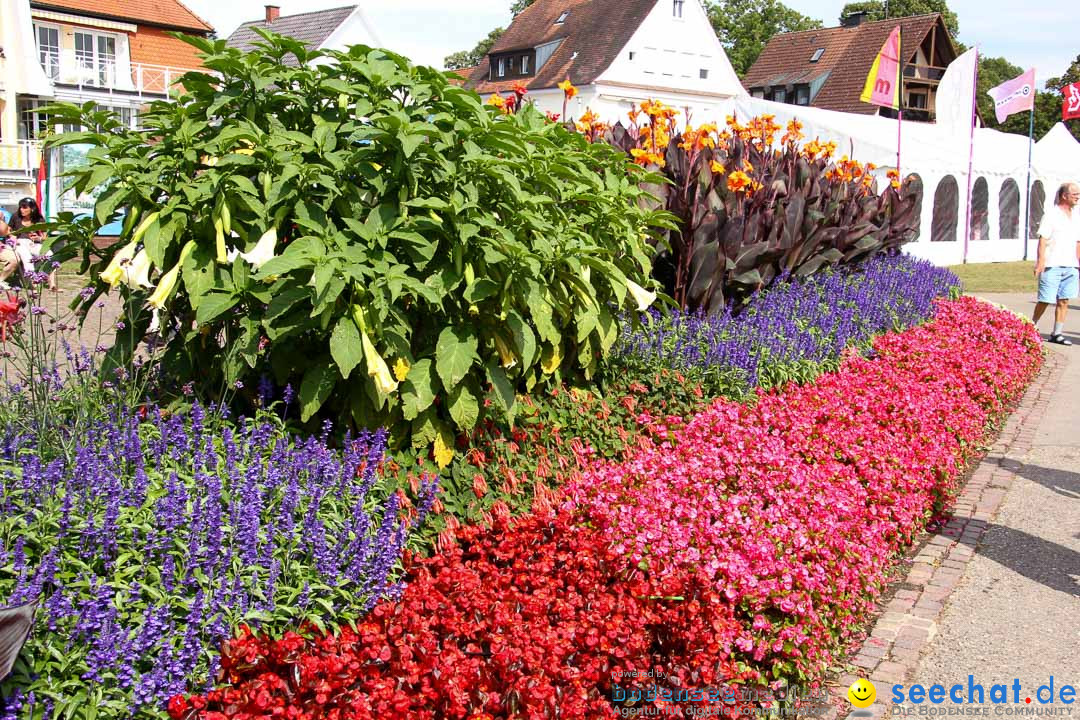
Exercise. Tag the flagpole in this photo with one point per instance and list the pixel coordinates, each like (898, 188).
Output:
(971, 154)
(1027, 184)
(900, 98)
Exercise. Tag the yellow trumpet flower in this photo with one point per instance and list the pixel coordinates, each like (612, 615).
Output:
(114, 272)
(377, 367)
(643, 297)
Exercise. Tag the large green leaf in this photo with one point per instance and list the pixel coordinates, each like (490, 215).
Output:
(464, 406)
(418, 389)
(345, 345)
(318, 383)
(455, 352)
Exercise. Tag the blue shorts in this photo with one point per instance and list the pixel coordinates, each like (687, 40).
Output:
(1058, 283)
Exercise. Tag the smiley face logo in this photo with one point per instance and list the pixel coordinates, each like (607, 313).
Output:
(862, 693)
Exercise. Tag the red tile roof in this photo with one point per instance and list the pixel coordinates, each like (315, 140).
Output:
(848, 54)
(162, 13)
(592, 35)
(154, 46)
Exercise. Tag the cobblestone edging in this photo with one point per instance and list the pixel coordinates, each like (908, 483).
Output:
(909, 621)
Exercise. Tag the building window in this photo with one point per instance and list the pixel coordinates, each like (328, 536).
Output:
(631, 54)
(677, 8)
(1009, 210)
(917, 100)
(502, 67)
(524, 64)
(703, 73)
(946, 205)
(779, 95)
(96, 57)
(48, 41)
(757, 93)
(32, 124)
(802, 94)
(817, 54)
(562, 17)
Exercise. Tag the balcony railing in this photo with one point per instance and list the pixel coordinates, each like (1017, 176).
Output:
(95, 73)
(22, 157)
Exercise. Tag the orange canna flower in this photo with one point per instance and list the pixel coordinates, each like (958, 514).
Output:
(717, 167)
(498, 101)
(738, 181)
(633, 114)
(587, 121)
(552, 116)
(568, 89)
(519, 89)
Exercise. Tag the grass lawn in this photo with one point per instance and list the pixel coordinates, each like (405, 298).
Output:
(996, 277)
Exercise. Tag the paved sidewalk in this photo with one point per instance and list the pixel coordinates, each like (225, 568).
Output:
(995, 593)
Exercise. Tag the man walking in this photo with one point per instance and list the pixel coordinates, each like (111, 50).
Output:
(1058, 259)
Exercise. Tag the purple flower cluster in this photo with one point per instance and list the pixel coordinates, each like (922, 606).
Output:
(164, 532)
(796, 323)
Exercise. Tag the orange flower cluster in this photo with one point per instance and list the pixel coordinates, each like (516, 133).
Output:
(503, 104)
(590, 124)
(847, 170)
(762, 129)
(793, 134)
(894, 179)
(655, 136)
(696, 140)
(815, 149)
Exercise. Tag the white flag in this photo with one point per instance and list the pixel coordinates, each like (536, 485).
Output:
(955, 104)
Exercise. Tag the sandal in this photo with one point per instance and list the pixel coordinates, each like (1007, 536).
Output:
(1060, 340)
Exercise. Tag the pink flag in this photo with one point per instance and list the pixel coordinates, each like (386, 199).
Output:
(883, 82)
(1014, 96)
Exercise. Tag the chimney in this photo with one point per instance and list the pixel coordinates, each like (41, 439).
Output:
(854, 19)
(272, 12)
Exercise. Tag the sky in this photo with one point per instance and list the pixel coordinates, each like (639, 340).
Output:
(1044, 34)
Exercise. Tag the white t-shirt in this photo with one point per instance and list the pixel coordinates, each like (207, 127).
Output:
(1062, 232)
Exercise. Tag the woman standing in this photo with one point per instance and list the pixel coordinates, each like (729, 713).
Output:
(28, 244)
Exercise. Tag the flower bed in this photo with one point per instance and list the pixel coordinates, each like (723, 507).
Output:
(744, 543)
(147, 548)
(794, 330)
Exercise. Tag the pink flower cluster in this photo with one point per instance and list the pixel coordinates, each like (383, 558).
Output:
(794, 505)
(742, 544)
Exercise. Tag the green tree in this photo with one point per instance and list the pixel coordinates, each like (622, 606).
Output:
(471, 58)
(520, 5)
(875, 10)
(744, 26)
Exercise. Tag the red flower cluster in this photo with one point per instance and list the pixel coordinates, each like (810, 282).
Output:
(742, 544)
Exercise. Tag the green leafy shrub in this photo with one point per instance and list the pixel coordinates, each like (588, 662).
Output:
(364, 230)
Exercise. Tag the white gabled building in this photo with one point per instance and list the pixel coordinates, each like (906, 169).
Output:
(334, 29)
(617, 53)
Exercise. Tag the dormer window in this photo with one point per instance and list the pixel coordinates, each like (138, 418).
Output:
(513, 65)
(562, 17)
(677, 8)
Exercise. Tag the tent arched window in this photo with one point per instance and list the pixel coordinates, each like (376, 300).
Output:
(1009, 210)
(1036, 207)
(980, 211)
(946, 205)
(913, 186)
